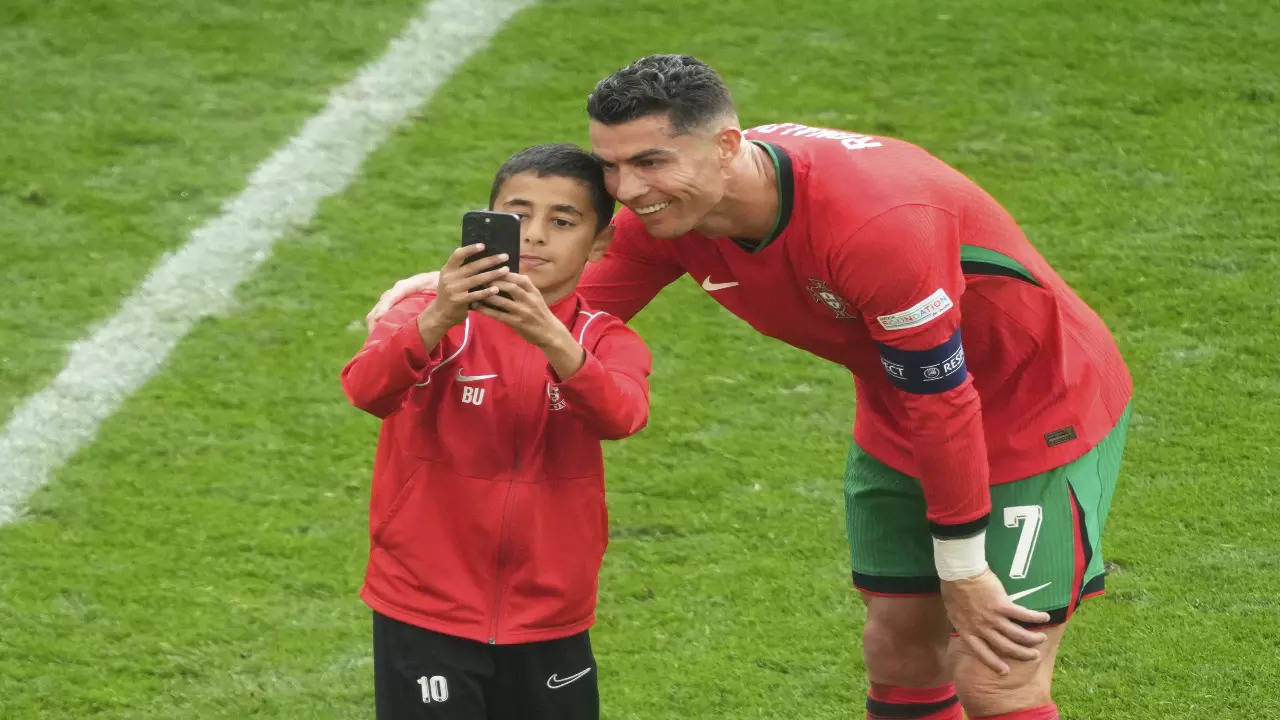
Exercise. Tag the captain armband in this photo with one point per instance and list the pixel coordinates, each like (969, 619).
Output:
(925, 372)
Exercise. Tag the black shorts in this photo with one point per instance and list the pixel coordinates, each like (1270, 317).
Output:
(424, 675)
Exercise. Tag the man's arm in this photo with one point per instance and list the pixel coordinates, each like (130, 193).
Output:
(631, 273)
(902, 271)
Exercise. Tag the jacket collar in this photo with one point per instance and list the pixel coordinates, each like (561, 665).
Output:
(566, 310)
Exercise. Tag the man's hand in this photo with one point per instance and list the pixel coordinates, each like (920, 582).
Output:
(527, 313)
(422, 282)
(983, 616)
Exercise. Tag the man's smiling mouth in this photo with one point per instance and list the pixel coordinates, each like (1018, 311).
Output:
(651, 209)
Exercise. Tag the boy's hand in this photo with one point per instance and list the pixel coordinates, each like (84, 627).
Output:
(455, 293)
(527, 313)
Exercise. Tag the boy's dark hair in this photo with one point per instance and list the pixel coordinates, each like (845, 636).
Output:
(683, 86)
(560, 160)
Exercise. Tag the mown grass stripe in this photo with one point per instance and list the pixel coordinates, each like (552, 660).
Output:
(198, 280)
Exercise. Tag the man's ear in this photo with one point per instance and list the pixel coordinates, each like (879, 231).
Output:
(728, 142)
(600, 244)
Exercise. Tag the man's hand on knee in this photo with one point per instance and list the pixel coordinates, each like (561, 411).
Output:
(984, 618)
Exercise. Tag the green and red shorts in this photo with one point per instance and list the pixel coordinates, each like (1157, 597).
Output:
(1044, 541)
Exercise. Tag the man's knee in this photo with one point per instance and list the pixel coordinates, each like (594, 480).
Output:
(983, 692)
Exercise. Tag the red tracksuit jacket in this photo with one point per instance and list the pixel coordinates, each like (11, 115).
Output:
(487, 519)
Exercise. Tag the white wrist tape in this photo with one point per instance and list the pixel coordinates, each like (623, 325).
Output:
(961, 558)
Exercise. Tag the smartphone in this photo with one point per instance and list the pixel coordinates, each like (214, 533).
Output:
(500, 233)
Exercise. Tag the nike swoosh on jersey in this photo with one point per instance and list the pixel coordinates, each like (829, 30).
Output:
(472, 378)
(712, 287)
(556, 683)
(1023, 593)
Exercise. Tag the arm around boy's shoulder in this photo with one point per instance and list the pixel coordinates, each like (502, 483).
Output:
(610, 392)
(632, 272)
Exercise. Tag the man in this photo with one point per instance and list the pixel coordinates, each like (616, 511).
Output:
(985, 386)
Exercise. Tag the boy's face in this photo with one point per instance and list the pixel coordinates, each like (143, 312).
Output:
(557, 230)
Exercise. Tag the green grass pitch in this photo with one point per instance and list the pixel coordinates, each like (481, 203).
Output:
(200, 558)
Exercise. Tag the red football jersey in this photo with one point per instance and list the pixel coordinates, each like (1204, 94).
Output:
(973, 361)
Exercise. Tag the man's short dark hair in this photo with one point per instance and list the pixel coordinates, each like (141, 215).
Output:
(560, 160)
(684, 87)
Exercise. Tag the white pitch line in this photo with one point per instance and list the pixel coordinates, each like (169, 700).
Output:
(199, 279)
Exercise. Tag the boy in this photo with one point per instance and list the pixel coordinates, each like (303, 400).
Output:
(487, 517)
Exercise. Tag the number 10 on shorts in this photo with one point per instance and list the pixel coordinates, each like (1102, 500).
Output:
(434, 688)
(1030, 517)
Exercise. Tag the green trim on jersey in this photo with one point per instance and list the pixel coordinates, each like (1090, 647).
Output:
(976, 260)
(785, 177)
(777, 175)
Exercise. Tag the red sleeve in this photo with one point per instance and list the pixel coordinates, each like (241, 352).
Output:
(392, 360)
(631, 273)
(902, 271)
(610, 392)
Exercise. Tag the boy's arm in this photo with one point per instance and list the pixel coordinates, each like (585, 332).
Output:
(399, 353)
(405, 344)
(607, 386)
(610, 391)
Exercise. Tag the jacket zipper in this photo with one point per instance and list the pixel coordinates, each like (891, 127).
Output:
(506, 504)
(497, 591)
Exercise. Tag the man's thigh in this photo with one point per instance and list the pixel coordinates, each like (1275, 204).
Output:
(419, 674)
(549, 680)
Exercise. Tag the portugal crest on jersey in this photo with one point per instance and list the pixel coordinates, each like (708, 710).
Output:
(823, 295)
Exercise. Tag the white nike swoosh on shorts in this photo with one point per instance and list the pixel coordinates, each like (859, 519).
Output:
(555, 683)
(712, 287)
(472, 378)
(1023, 593)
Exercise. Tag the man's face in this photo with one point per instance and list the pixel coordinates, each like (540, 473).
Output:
(670, 181)
(557, 229)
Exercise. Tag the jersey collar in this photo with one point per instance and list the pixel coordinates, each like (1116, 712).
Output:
(786, 198)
